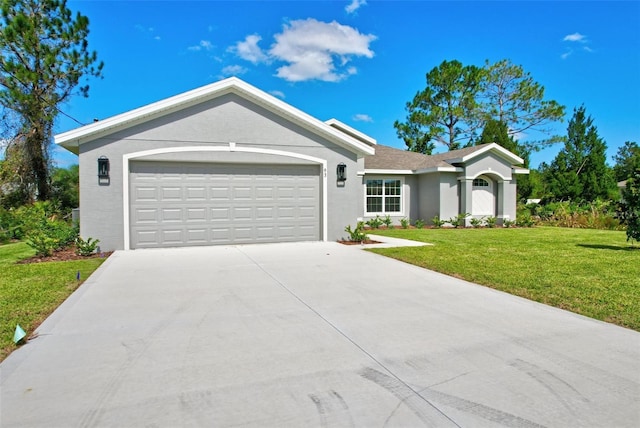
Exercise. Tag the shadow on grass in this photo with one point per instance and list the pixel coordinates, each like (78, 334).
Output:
(610, 247)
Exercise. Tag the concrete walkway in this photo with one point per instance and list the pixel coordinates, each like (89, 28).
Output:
(312, 334)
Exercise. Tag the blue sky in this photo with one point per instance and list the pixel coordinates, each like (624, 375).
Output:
(361, 61)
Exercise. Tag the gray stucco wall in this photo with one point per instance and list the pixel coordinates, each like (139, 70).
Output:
(510, 201)
(215, 123)
(429, 196)
(449, 195)
(488, 164)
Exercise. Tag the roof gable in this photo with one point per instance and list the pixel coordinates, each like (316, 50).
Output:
(389, 158)
(71, 140)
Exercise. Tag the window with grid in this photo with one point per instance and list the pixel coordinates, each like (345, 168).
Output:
(384, 196)
(480, 182)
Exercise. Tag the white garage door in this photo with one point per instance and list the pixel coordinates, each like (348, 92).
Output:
(186, 204)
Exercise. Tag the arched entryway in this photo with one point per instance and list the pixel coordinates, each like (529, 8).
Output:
(483, 197)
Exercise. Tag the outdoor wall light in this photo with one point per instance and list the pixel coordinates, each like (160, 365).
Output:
(103, 170)
(341, 172)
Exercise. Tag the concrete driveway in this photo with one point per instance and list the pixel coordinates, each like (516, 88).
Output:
(312, 334)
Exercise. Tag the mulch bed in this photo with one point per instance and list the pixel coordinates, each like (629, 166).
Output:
(63, 256)
(368, 241)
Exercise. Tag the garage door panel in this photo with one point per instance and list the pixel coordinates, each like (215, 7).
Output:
(172, 236)
(196, 194)
(197, 236)
(204, 204)
(265, 213)
(146, 215)
(172, 215)
(173, 193)
(196, 214)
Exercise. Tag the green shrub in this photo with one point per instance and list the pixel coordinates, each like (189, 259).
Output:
(404, 223)
(476, 222)
(374, 223)
(419, 223)
(525, 220)
(388, 222)
(357, 234)
(459, 220)
(437, 223)
(44, 228)
(86, 248)
(491, 222)
(508, 223)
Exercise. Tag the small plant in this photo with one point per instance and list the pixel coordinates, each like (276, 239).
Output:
(357, 234)
(374, 223)
(388, 222)
(459, 220)
(476, 222)
(437, 223)
(508, 223)
(525, 220)
(419, 223)
(404, 223)
(86, 248)
(491, 222)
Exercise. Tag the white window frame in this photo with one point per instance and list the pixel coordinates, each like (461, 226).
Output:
(383, 212)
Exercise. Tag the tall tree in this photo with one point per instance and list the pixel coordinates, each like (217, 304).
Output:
(511, 95)
(579, 171)
(627, 160)
(444, 111)
(630, 206)
(44, 57)
(497, 132)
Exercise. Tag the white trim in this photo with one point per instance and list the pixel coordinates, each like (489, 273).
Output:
(389, 171)
(504, 153)
(132, 156)
(350, 131)
(520, 170)
(439, 169)
(71, 140)
(414, 171)
(402, 197)
(486, 171)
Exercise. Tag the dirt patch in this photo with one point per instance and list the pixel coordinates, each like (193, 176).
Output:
(63, 256)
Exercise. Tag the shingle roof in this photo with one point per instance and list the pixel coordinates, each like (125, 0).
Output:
(390, 158)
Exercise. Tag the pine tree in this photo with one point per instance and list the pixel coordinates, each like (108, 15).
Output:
(579, 171)
(44, 56)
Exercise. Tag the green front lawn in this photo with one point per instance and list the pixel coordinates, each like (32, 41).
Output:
(29, 293)
(595, 273)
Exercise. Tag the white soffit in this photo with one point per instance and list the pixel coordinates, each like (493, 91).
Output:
(71, 140)
(351, 131)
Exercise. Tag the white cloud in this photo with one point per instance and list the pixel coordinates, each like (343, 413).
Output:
(575, 37)
(278, 94)
(233, 70)
(205, 45)
(147, 31)
(362, 118)
(311, 48)
(354, 5)
(249, 49)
